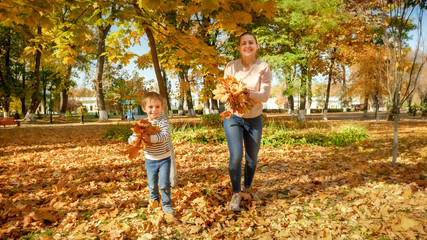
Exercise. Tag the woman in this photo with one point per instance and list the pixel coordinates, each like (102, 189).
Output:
(246, 128)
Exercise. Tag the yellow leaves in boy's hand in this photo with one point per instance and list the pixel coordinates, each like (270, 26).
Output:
(143, 129)
(231, 91)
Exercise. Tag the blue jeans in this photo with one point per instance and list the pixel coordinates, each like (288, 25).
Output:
(158, 178)
(238, 131)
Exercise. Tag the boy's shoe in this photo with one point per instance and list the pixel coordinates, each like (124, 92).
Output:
(153, 204)
(235, 202)
(168, 209)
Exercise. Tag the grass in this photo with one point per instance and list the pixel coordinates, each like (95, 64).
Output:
(275, 134)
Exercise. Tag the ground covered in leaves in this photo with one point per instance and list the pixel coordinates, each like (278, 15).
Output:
(68, 182)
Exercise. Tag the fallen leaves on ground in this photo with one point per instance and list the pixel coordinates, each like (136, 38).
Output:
(69, 183)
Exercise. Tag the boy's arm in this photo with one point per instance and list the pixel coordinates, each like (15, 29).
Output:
(164, 134)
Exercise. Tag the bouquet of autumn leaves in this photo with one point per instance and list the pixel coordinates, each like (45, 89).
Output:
(231, 91)
(143, 129)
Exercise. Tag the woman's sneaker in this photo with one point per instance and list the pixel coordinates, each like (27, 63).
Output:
(235, 202)
(168, 209)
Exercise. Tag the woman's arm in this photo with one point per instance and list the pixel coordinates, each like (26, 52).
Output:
(265, 86)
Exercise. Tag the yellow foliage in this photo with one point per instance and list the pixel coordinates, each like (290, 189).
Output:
(68, 61)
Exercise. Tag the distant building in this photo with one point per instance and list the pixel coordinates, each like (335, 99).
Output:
(334, 103)
(89, 102)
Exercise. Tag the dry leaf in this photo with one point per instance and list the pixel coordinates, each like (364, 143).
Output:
(230, 91)
(143, 129)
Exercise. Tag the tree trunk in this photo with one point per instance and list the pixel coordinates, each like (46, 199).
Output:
(5, 79)
(64, 93)
(343, 89)
(190, 105)
(168, 104)
(153, 50)
(309, 93)
(35, 101)
(97, 82)
(377, 106)
(303, 95)
(392, 111)
(328, 91)
(214, 105)
(291, 105)
(365, 106)
(23, 106)
(44, 101)
(395, 138)
(6, 99)
(395, 129)
(181, 106)
(206, 107)
(63, 103)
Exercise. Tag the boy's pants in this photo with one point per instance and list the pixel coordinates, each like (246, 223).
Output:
(158, 178)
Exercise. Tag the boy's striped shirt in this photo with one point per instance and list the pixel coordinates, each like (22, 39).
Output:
(160, 148)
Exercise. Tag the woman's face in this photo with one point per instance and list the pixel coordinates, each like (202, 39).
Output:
(248, 46)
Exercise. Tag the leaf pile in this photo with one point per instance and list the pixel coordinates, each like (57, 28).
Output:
(229, 90)
(143, 129)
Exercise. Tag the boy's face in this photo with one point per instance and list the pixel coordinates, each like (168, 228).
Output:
(153, 109)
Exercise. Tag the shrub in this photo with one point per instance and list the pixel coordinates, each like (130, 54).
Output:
(348, 135)
(211, 120)
(278, 136)
(198, 135)
(274, 134)
(120, 132)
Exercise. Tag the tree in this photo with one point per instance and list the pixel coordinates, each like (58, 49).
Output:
(403, 69)
(11, 49)
(104, 15)
(70, 38)
(293, 42)
(369, 76)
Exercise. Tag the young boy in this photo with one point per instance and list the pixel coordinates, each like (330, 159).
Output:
(157, 156)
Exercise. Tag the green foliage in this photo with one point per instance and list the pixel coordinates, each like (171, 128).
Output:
(120, 132)
(198, 134)
(413, 109)
(275, 134)
(211, 120)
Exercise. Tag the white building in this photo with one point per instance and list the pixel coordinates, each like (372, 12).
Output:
(334, 102)
(89, 102)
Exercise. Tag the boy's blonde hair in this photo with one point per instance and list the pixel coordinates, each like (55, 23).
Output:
(151, 96)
